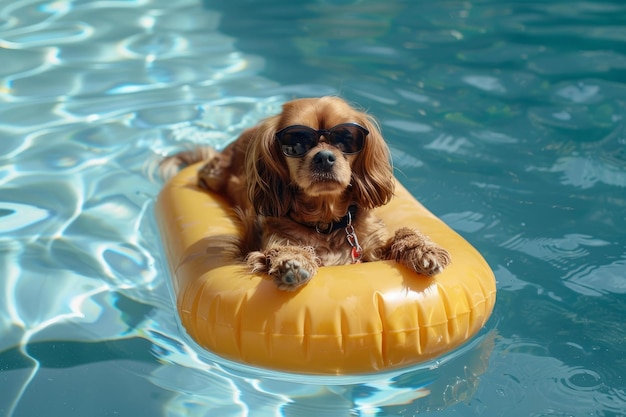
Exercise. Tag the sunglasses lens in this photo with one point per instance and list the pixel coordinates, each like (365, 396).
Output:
(348, 138)
(297, 141)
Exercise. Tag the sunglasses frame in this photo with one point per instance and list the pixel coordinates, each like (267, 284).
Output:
(321, 132)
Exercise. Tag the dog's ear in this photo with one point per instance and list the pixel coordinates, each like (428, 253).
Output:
(266, 172)
(372, 172)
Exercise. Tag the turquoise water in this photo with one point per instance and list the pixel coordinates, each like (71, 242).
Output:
(505, 118)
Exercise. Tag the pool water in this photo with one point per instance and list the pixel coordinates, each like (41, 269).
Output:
(505, 118)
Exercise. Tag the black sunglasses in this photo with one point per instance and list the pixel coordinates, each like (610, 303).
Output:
(296, 141)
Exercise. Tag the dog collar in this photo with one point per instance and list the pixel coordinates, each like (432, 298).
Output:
(327, 228)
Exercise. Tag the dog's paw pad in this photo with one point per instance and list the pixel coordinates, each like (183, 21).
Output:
(291, 275)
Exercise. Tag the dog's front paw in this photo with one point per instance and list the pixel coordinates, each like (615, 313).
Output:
(290, 275)
(418, 252)
(433, 260)
(292, 266)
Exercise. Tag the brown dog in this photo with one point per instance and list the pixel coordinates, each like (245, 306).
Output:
(305, 182)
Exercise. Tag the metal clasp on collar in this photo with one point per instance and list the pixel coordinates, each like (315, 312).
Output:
(357, 251)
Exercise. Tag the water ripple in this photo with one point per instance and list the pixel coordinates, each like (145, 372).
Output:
(7, 22)
(582, 380)
(501, 53)
(51, 35)
(556, 251)
(23, 118)
(467, 221)
(186, 19)
(596, 280)
(408, 126)
(579, 93)
(62, 199)
(524, 389)
(450, 144)
(585, 172)
(153, 45)
(490, 137)
(127, 264)
(17, 216)
(485, 83)
(600, 124)
(586, 62)
(19, 62)
(28, 14)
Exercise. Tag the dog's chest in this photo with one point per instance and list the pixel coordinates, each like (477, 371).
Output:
(334, 249)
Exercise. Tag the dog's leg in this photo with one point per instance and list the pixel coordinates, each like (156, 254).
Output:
(174, 163)
(415, 250)
(213, 175)
(289, 266)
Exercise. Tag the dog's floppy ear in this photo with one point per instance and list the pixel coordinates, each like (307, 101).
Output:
(266, 172)
(372, 172)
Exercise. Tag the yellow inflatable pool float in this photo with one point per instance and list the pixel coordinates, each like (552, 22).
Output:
(348, 319)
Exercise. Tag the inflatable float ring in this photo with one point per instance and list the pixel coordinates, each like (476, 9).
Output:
(348, 319)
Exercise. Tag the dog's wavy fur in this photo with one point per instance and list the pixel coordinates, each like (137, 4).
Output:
(286, 205)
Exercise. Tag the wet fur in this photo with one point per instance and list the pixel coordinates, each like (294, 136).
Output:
(280, 200)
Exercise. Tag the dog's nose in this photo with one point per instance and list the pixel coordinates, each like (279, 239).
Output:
(324, 159)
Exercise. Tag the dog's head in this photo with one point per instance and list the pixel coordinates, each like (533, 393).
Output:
(317, 148)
